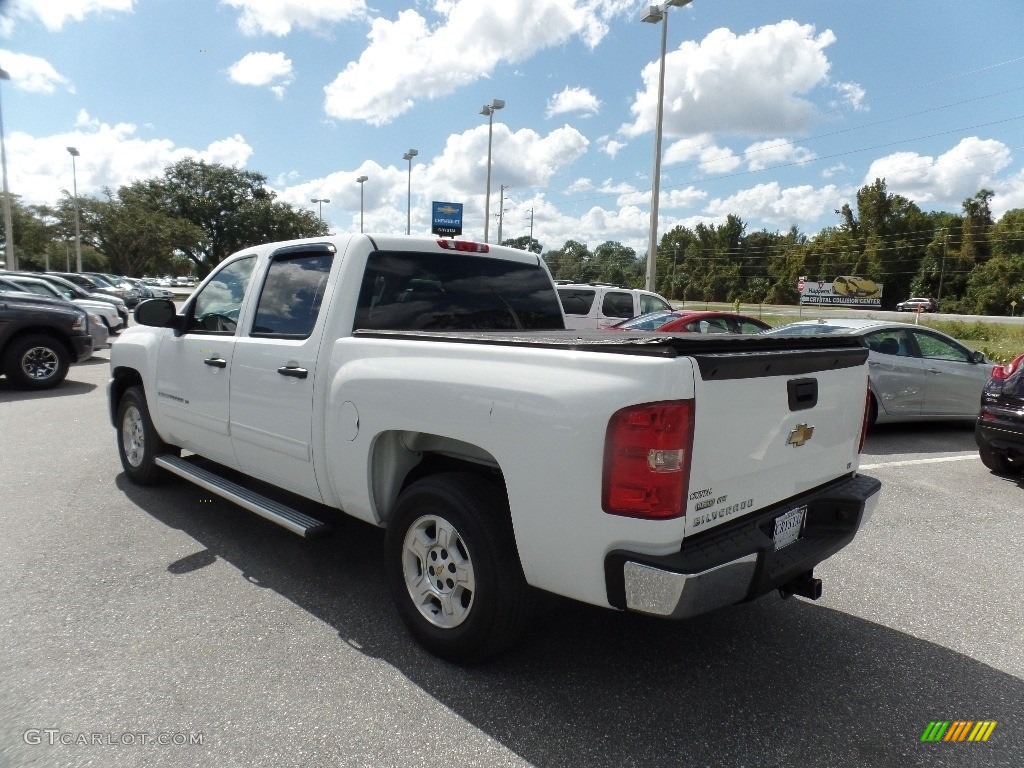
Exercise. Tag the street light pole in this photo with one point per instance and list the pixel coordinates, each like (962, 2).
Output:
(78, 232)
(360, 181)
(408, 205)
(488, 110)
(320, 200)
(654, 15)
(11, 261)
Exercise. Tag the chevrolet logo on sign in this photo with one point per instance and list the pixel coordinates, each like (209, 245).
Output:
(448, 210)
(801, 434)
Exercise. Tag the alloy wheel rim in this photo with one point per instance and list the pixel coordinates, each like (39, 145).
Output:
(438, 571)
(40, 363)
(133, 438)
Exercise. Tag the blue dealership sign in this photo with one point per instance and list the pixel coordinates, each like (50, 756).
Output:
(446, 219)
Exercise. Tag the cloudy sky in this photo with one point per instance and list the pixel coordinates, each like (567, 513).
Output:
(774, 111)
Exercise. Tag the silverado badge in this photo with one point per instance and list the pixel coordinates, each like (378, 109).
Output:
(801, 434)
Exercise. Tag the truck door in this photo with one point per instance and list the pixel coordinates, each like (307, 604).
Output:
(272, 371)
(193, 369)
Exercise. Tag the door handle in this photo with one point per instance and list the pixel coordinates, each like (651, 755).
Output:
(216, 362)
(293, 371)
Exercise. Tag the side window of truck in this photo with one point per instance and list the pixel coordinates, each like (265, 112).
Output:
(216, 307)
(292, 295)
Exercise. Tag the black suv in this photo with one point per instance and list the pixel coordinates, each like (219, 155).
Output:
(999, 431)
(40, 338)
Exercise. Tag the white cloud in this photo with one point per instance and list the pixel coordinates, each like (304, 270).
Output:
(411, 58)
(832, 170)
(702, 151)
(739, 83)
(111, 155)
(775, 152)
(947, 179)
(572, 100)
(279, 17)
(580, 185)
(1008, 195)
(851, 95)
(521, 160)
(31, 73)
(53, 14)
(262, 68)
(780, 207)
(611, 147)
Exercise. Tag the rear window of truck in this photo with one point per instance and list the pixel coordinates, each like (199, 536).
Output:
(403, 291)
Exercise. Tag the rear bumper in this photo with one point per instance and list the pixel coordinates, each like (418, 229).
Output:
(82, 346)
(737, 561)
(1001, 436)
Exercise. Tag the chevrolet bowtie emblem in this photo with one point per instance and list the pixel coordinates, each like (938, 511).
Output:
(801, 434)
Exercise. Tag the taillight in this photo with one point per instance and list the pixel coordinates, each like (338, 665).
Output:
(647, 454)
(866, 422)
(463, 245)
(1002, 372)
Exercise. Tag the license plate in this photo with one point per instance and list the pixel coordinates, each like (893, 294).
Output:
(788, 527)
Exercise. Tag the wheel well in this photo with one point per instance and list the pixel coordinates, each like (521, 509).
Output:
(121, 379)
(401, 458)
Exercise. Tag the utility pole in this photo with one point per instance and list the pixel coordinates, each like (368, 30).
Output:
(942, 271)
(501, 208)
(530, 246)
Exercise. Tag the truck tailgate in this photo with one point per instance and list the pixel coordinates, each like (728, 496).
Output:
(771, 424)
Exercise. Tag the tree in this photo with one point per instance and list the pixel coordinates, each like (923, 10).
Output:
(233, 209)
(136, 239)
(524, 243)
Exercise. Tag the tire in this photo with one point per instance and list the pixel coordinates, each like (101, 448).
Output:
(138, 443)
(1000, 462)
(872, 411)
(38, 361)
(482, 605)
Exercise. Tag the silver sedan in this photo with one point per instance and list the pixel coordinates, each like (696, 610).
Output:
(915, 373)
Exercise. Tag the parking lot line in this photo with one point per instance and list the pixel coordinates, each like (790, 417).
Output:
(912, 462)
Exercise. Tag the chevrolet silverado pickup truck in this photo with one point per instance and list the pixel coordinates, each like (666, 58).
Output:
(428, 386)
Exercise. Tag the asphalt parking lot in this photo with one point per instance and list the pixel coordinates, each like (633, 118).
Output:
(138, 622)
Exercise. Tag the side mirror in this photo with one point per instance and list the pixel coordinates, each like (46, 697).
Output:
(977, 357)
(158, 313)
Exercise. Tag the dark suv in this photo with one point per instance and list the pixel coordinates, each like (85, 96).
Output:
(999, 431)
(40, 338)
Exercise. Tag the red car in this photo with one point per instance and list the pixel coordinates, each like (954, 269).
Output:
(692, 321)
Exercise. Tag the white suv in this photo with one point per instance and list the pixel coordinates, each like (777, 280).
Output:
(589, 306)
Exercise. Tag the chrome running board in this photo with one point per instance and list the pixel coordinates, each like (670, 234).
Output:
(275, 512)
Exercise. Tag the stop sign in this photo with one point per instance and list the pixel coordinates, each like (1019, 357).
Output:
(800, 285)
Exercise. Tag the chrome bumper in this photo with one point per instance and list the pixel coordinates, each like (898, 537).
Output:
(672, 587)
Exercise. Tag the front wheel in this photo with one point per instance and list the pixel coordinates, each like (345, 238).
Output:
(138, 444)
(453, 568)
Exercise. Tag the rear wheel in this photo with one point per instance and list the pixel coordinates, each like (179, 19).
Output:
(453, 569)
(138, 444)
(37, 361)
(1000, 462)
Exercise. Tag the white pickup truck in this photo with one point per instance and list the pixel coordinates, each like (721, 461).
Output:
(426, 386)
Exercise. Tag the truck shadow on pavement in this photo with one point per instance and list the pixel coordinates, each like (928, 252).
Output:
(919, 437)
(771, 683)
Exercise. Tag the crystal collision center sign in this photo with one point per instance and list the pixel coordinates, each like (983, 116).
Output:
(446, 219)
(846, 291)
